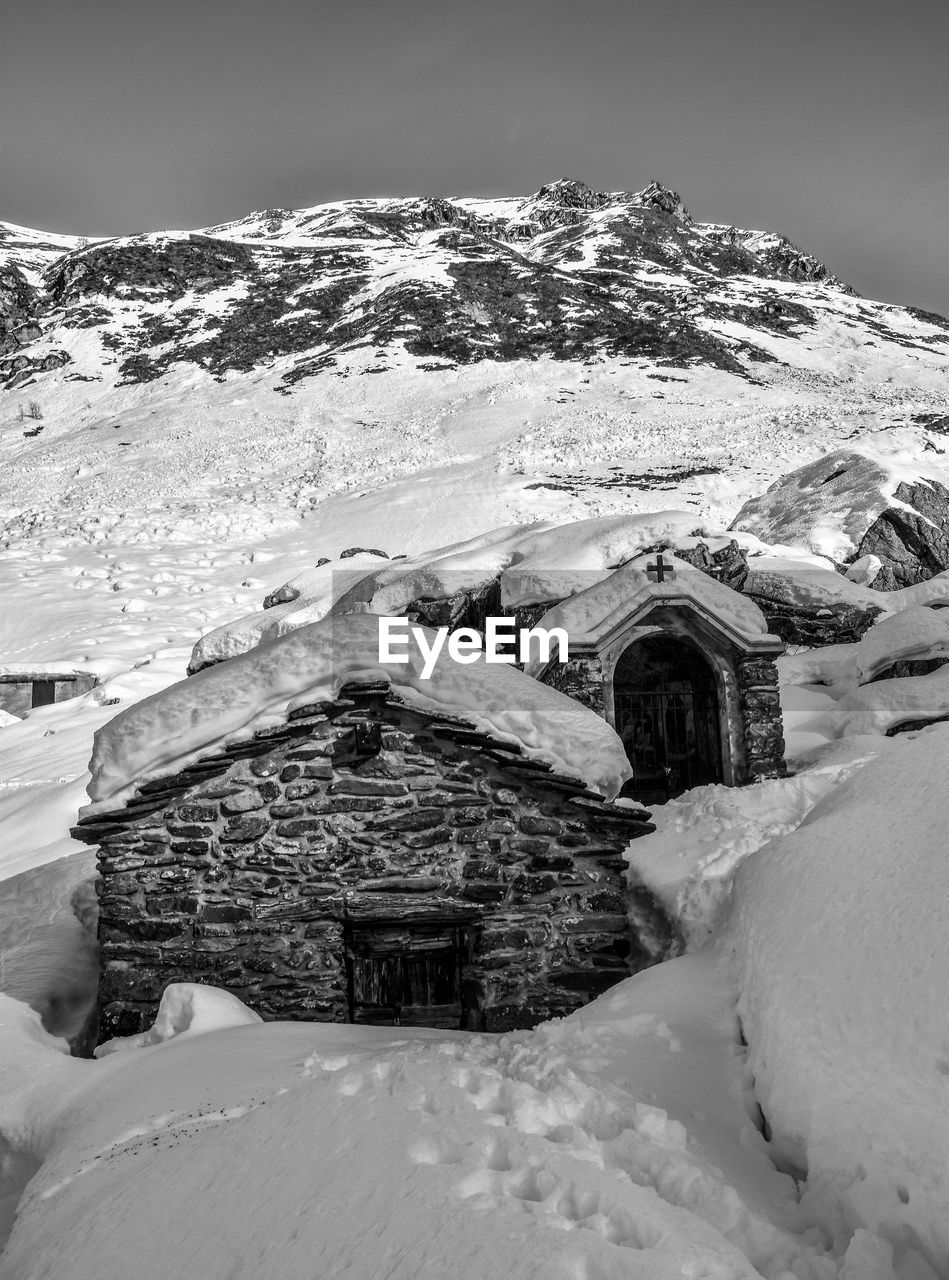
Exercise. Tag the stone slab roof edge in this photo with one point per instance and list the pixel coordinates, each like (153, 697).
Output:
(152, 796)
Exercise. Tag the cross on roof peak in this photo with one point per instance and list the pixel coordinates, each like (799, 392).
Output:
(659, 571)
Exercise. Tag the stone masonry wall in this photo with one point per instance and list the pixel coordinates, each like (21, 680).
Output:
(580, 678)
(761, 715)
(244, 871)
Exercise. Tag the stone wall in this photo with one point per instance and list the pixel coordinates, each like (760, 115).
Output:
(761, 715)
(244, 871)
(580, 678)
(16, 693)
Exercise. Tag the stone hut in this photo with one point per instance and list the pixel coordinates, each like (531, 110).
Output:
(25, 686)
(332, 842)
(684, 670)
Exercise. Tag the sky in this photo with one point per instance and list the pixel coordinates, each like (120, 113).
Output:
(824, 120)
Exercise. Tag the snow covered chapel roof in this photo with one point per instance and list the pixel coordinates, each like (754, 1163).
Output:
(230, 702)
(592, 617)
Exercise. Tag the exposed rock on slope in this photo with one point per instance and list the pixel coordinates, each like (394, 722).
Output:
(568, 273)
(911, 539)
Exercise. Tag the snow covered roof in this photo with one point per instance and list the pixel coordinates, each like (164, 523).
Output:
(535, 562)
(16, 671)
(593, 616)
(229, 702)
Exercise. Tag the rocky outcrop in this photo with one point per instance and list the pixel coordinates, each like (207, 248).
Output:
(912, 544)
(810, 622)
(661, 199)
(846, 493)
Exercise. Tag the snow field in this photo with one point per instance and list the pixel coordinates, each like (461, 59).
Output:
(617, 1143)
(620, 1144)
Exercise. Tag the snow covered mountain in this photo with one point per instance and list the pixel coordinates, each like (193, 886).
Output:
(379, 372)
(569, 273)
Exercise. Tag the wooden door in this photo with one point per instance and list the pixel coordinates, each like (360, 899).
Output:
(406, 974)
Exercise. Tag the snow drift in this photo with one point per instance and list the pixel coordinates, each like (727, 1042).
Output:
(840, 936)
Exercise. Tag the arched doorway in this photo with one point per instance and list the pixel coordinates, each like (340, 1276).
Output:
(666, 713)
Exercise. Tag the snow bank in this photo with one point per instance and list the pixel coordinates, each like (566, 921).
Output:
(912, 634)
(840, 938)
(703, 836)
(617, 1144)
(884, 705)
(186, 1009)
(230, 701)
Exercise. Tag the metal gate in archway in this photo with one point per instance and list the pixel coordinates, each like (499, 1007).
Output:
(666, 713)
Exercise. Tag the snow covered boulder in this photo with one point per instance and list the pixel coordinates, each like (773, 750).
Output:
(851, 504)
(912, 642)
(186, 1009)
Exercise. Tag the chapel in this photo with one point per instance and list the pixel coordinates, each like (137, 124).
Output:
(682, 667)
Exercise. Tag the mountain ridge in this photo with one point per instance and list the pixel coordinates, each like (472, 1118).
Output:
(569, 272)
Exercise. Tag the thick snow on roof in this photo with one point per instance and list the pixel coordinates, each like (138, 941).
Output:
(536, 562)
(843, 953)
(228, 702)
(589, 616)
(307, 597)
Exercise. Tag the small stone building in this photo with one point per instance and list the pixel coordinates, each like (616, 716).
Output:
(684, 670)
(24, 686)
(368, 860)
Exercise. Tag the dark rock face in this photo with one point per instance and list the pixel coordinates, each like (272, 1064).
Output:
(909, 667)
(913, 547)
(19, 326)
(261, 870)
(815, 626)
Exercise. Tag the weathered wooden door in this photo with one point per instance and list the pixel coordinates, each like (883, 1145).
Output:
(44, 693)
(406, 974)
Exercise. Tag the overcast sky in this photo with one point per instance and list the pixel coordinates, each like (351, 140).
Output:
(825, 120)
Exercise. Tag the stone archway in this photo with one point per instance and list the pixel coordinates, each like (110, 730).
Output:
(666, 711)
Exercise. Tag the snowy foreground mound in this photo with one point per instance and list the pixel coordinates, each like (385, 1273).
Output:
(615, 1145)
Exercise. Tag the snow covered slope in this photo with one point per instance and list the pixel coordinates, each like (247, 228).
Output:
(219, 409)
